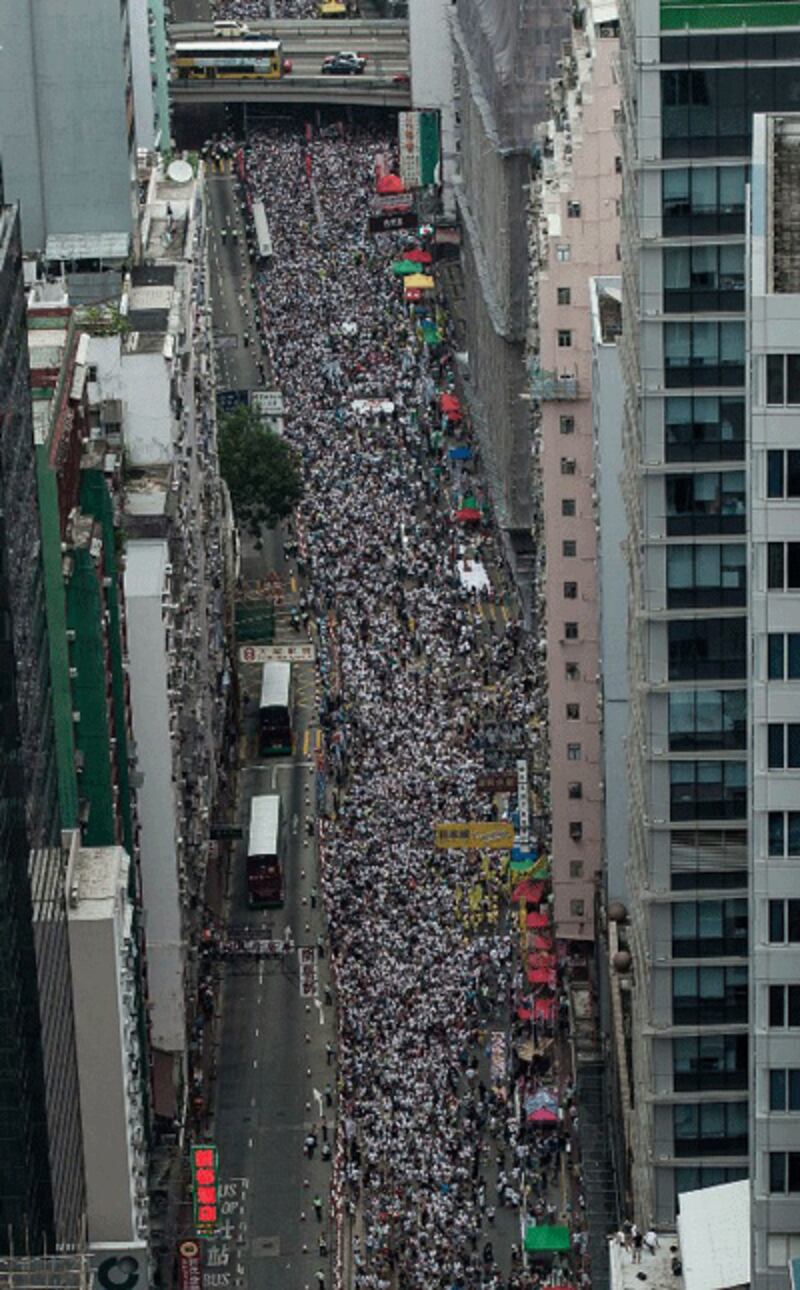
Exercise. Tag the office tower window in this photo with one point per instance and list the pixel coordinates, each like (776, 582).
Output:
(567, 505)
(783, 473)
(781, 1247)
(784, 1007)
(784, 922)
(784, 1089)
(693, 1178)
(569, 547)
(707, 719)
(706, 503)
(706, 928)
(708, 790)
(783, 656)
(784, 1172)
(570, 591)
(563, 295)
(571, 631)
(783, 379)
(783, 566)
(710, 1129)
(703, 200)
(703, 427)
(708, 859)
(566, 425)
(708, 112)
(783, 745)
(705, 1062)
(783, 833)
(709, 995)
(703, 277)
(707, 649)
(703, 353)
(706, 577)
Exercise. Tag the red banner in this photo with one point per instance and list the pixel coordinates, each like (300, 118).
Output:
(308, 164)
(191, 1266)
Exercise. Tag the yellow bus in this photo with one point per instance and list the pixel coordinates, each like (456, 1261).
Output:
(230, 60)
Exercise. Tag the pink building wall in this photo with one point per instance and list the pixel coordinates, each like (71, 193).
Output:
(578, 219)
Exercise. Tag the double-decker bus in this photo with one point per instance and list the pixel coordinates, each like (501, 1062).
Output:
(265, 852)
(275, 710)
(226, 59)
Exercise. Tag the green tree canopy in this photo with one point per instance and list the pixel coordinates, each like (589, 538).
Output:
(260, 470)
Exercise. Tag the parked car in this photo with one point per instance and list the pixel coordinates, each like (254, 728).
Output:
(346, 63)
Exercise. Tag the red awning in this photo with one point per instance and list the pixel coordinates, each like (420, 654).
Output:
(447, 402)
(390, 184)
(542, 959)
(542, 976)
(543, 942)
(468, 515)
(419, 257)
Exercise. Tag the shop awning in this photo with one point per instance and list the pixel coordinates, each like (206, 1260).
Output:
(421, 257)
(460, 453)
(402, 268)
(529, 892)
(535, 919)
(389, 184)
(430, 332)
(547, 1238)
(468, 515)
(422, 282)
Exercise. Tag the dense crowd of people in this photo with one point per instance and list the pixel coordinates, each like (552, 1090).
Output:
(264, 10)
(432, 1145)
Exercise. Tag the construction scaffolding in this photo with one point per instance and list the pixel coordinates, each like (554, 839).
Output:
(46, 1272)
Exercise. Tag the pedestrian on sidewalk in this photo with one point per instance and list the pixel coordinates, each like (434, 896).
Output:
(325, 1153)
(330, 1053)
(321, 1280)
(310, 1145)
(318, 1208)
(322, 1245)
(324, 1130)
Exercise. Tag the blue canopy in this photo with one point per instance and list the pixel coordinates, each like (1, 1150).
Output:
(461, 453)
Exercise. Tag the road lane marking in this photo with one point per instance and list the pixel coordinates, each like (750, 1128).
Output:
(318, 1099)
(255, 1063)
(257, 1032)
(306, 740)
(318, 741)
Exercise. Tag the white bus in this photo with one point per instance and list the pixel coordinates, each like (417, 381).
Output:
(275, 710)
(265, 852)
(261, 226)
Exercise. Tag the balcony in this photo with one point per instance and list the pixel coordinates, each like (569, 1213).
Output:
(549, 386)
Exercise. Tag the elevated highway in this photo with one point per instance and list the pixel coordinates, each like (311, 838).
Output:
(358, 91)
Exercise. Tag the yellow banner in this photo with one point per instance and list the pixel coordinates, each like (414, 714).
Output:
(489, 835)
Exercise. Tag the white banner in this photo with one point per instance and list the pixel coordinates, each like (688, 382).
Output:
(523, 804)
(276, 654)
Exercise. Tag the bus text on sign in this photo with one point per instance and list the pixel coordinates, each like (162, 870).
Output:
(205, 1184)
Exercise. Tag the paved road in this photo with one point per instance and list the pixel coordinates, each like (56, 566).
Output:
(271, 1036)
(237, 365)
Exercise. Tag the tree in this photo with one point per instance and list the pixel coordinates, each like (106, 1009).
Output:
(260, 469)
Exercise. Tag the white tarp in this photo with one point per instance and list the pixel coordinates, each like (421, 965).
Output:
(473, 575)
(714, 1233)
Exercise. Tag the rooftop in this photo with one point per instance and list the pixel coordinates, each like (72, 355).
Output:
(145, 568)
(653, 1273)
(97, 877)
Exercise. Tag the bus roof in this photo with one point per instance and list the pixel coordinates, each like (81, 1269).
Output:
(224, 46)
(261, 226)
(264, 822)
(275, 680)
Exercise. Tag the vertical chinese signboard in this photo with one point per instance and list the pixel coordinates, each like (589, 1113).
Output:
(205, 1187)
(191, 1266)
(419, 148)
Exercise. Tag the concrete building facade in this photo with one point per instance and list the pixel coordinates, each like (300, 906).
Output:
(574, 236)
(432, 81)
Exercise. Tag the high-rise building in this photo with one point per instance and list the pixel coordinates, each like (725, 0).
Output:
(41, 1160)
(67, 131)
(693, 75)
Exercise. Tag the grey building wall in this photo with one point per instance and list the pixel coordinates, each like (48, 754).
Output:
(66, 117)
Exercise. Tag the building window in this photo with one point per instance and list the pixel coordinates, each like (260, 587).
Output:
(707, 928)
(708, 576)
(572, 672)
(618, 165)
(570, 591)
(568, 465)
(569, 547)
(567, 505)
(784, 922)
(575, 790)
(707, 649)
(694, 1178)
(576, 908)
(573, 752)
(783, 566)
(783, 656)
(571, 631)
(575, 867)
(783, 473)
(573, 210)
(703, 200)
(783, 745)
(784, 1007)
(562, 252)
(703, 353)
(576, 832)
(564, 338)
(708, 502)
(710, 1129)
(783, 833)
(566, 425)
(573, 712)
(563, 295)
(708, 790)
(781, 1247)
(703, 277)
(707, 719)
(703, 427)
(784, 1089)
(709, 995)
(708, 1062)
(784, 1172)
(783, 379)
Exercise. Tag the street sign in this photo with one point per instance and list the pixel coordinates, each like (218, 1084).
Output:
(388, 223)
(229, 400)
(268, 402)
(487, 835)
(497, 781)
(191, 1266)
(221, 832)
(523, 804)
(276, 654)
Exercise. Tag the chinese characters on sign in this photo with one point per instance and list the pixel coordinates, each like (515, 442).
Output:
(487, 836)
(408, 129)
(205, 1183)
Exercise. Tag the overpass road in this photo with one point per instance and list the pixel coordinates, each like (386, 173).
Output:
(358, 91)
